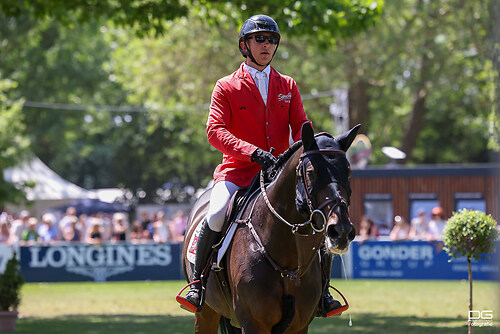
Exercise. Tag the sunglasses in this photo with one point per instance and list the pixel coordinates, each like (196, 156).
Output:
(261, 39)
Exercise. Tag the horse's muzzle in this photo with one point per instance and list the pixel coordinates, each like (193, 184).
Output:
(339, 233)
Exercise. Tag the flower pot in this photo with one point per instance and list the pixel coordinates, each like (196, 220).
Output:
(8, 321)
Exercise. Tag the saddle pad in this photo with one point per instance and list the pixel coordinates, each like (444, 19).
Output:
(225, 243)
(191, 251)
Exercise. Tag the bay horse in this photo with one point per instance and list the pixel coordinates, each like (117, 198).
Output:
(272, 267)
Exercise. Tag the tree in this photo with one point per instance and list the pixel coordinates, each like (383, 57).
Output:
(424, 67)
(472, 234)
(60, 52)
(53, 63)
(13, 143)
(324, 19)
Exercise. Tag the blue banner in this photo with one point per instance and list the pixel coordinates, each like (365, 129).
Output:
(415, 260)
(131, 262)
(109, 262)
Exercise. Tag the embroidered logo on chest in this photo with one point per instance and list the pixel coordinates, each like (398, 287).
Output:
(286, 98)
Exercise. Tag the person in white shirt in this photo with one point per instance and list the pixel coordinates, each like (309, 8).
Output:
(437, 224)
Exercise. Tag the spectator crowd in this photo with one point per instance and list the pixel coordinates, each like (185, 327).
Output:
(419, 228)
(25, 230)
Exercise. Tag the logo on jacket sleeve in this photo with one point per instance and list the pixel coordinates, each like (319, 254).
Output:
(287, 98)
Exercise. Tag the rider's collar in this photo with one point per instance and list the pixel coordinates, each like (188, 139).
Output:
(253, 71)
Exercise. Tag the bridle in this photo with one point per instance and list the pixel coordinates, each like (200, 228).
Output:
(301, 174)
(303, 265)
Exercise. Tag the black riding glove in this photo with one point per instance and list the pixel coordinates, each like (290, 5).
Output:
(263, 158)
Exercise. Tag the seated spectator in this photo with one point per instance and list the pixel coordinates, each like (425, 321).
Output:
(4, 230)
(437, 224)
(30, 235)
(178, 226)
(161, 230)
(48, 230)
(17, 227)
(139, 235)
(368, 229)
(147, 224)
(120, 227)
(94, 235)
(67, 219)
(419, 226)
(400, 230)
(106, 225)
(70, 232)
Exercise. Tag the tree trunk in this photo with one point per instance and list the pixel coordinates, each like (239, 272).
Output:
(358, 105)
(495, 46)
(469, 324)
(416, 123)
(417, 117)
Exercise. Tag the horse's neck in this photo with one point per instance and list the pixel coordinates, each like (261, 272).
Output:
(277, 236)
(282, 191)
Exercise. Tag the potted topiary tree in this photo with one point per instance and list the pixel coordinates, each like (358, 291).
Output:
(10, 285)
(472, 234)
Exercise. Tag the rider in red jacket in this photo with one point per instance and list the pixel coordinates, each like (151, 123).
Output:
(251, 111)
(240, 122)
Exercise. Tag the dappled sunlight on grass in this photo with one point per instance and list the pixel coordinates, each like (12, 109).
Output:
(384, 306)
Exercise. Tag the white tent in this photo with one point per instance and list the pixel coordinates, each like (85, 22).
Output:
(50, 189)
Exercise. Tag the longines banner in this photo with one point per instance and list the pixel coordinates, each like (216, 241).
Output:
(113, 262)
(128, 262)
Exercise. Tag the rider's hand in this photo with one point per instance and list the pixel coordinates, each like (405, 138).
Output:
(263, 158)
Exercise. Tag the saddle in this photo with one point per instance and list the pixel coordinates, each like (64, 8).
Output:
(236, 206)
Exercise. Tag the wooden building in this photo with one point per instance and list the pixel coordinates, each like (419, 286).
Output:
(382, 193)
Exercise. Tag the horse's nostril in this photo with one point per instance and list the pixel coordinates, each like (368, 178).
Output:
(352, 235)
(332, 232)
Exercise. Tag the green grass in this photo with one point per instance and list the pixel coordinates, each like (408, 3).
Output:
(377, 306)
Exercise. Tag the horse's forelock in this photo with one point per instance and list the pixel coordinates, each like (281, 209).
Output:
(338, 164)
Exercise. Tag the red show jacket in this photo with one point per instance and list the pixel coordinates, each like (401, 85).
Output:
(239, 122)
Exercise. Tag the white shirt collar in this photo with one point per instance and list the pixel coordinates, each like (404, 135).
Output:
(252, 71)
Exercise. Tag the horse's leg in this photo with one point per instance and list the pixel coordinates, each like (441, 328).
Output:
(249, 329)
(206, 321)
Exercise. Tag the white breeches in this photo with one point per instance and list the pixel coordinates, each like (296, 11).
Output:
(219, 200)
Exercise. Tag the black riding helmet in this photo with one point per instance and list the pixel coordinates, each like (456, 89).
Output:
(257, 23)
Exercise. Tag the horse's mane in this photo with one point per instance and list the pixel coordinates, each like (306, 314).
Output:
(282, 158)
(273, 172)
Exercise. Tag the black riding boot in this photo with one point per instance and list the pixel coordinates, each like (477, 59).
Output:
(327, 303)
(206, 239)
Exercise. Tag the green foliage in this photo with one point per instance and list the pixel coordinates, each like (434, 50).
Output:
(11, 282)
(470, 233)
(60, 52)
(144, 16)
(13, 143)
(68, 52)
(322, 18)
(434, 48)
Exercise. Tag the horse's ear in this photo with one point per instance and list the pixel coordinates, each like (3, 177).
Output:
(345, 140)
(307, 135)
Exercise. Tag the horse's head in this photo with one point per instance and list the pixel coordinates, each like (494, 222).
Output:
(323, 187)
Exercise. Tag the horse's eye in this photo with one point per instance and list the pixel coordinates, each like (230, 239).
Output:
(311, 174)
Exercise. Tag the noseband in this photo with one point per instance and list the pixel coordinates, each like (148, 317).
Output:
(301, 174)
